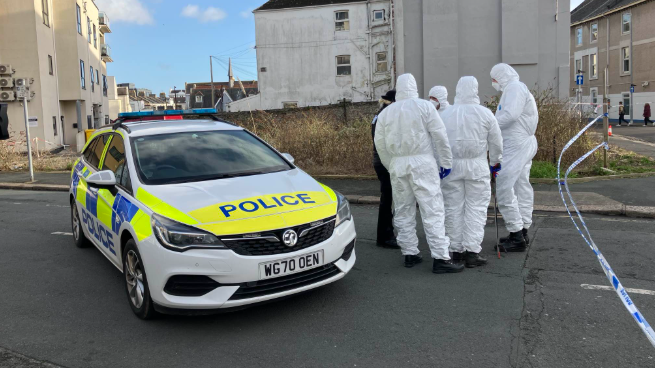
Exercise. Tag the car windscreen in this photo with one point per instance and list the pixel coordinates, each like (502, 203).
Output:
(197, 156)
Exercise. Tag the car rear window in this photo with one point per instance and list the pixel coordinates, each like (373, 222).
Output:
(197, 156)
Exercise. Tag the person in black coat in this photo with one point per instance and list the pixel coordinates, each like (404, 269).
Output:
(385, 234)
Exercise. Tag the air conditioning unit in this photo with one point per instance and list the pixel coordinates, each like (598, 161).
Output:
(6, 69)
(6, 82)
(7, 96)
(21, 82)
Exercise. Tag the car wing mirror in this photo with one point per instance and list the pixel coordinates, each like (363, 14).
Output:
(102, 179)
(288, 157)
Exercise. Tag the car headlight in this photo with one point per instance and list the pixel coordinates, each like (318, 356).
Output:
(179, 237)
(343, 209)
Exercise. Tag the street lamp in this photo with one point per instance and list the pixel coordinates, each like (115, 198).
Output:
(175, 91)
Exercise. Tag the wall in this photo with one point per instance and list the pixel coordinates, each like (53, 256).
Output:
(298, 48)
(618, 82)
(438, 41)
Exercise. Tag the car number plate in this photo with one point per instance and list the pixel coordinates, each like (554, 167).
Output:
(290, 266)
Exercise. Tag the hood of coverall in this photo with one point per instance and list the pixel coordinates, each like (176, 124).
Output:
(467, 91)
(441, 94)
(504, 74)
(406, 87)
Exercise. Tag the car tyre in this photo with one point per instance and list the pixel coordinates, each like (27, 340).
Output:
(136, 282)
(81, 241)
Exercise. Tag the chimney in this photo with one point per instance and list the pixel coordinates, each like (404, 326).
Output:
(152, 95)
(133, 93)
(162, 95)
(141, 94)
(121, 91)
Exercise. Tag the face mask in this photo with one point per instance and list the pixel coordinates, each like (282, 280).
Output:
(496, 86)
(436, 104)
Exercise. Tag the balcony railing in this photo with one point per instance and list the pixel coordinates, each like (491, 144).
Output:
(105, 53)
(103, 20)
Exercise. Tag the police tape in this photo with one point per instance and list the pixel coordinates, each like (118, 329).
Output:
(611, 276)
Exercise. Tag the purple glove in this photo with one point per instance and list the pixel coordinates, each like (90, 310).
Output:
(495, 169)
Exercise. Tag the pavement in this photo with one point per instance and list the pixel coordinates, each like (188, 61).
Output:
(66, 307)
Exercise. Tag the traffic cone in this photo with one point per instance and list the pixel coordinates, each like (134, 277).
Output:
(609, 132)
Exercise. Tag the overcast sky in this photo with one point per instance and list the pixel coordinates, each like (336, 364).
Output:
(575, 3)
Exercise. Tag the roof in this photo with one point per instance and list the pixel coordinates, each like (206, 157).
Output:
(151, 127)
(284, 4)
(150, 100)
(592, 8)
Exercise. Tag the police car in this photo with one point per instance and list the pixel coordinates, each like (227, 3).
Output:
(200, 214)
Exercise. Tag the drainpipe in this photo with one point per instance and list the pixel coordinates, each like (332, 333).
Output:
(370, 51)
(393, 45)
(56, 71)
(632, 74)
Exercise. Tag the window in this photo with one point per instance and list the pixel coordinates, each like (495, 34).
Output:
(343, 65)
(93, 77)
(82, 74)
(289, 105)
(79, 19)
(198, 98)
(626, 103)
(54, 125)
(95, 37)
(341, 22)
(378, 15)
(627, 23)
(89, 122)
(593, 31)
(203, 155)
(115, 160)
(625, 56)
(593, 66)
(88, 29)
(578, 36)
(51, 68)
(97, 77)
(46, 15)
(578, 67)
(593, 92)
(93, 152)
(381, 62)
(104, 85)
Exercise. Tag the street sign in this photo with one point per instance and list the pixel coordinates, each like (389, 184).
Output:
(33, 121)
(632, 89)
(579, 79)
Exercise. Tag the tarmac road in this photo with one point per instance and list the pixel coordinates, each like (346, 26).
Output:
(63, 306)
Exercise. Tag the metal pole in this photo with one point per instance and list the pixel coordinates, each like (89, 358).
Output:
(632, 73)
(211, 72)
(606, 121)
(29, 141)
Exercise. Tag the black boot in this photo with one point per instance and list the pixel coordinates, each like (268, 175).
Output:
(446, 266)
(458, 257)
(474, 260)
(390, 244)
(411, 261)
(525, 237)
(514, 243)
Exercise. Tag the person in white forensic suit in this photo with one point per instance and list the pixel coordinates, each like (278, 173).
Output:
(439, 98)
(472, 131)
(407, 134)
(517, 117)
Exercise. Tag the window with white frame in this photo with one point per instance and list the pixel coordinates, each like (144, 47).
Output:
(82, 76)
(198, 98)
(46, 14)
(381, 62)
(578, 36)
(627, 23)
(378, 15)
(593, 94)
(625, 58)
(79, 19)
(341, 22)
(343, 65)
(593, 32)
(593, 66)
(88, 29)
(578, 67)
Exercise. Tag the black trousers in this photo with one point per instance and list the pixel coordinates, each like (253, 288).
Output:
(646, 121)
(622, 119)
(385, 214)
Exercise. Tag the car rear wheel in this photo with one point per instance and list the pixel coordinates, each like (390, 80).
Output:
(136, 282)
(78, 234)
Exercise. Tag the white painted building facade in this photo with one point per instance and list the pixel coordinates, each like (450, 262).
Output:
(320, 55)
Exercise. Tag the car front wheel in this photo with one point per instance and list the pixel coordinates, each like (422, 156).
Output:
(78, 234)
(136, 282)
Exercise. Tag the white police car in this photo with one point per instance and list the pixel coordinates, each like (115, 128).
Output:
(200, 214)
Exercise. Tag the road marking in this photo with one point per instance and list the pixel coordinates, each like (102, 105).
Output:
(60, 233)
(609, 288)
(56, 205)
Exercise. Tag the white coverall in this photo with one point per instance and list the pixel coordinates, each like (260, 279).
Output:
(405, 135)
(441, 94)
(517, 117)
(472, 130)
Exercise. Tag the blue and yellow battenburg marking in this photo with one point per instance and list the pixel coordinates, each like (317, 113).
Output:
(122, 211)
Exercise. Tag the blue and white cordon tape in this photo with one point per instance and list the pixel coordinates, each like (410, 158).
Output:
(611, 276)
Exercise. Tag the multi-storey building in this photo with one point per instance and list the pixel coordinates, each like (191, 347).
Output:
(60, 47)
(625, 28)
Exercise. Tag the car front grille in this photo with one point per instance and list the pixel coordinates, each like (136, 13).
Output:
(284, 283)
(269, 243)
